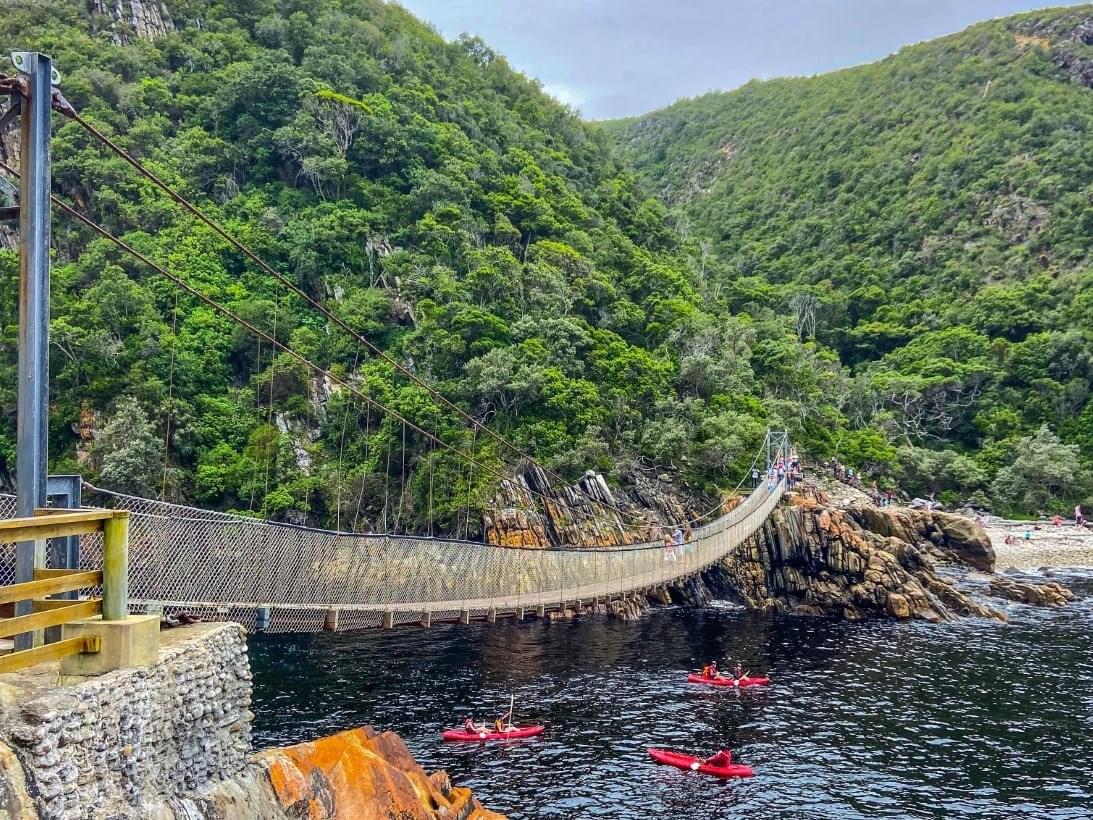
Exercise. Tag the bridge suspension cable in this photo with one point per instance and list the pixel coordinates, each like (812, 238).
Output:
(273, 342)
(70, 112)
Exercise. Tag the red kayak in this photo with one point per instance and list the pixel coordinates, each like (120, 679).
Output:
(512, 734)
(695, 764)
(720, 681)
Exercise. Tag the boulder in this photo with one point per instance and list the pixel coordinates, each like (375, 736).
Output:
(1049, 594)
(966, 540)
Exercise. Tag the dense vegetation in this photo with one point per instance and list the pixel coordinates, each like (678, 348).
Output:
(833, 281)
(928, 221)
(435, 199)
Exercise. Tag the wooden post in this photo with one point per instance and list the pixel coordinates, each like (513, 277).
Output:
(388, 619)
(330, 622)
(465, 616)
(115, 566)
(491, 616)
(426, 618)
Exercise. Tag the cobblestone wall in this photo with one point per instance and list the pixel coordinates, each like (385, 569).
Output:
(103, 746)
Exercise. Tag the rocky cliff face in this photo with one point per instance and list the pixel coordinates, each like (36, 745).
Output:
(812, 559)
(9, 154)
(530, 512)
(1068, 44)
(130, 20)
(863, 562)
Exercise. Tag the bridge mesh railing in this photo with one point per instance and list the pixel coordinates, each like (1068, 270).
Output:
(224, 566)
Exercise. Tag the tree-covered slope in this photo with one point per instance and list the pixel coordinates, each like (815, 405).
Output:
(928, 219)
(436, 200)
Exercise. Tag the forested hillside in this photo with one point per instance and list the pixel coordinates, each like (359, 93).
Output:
(439, 202)
(886, 262)
(928, 221)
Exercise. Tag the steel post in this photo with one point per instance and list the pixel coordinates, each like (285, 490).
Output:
(33, 418)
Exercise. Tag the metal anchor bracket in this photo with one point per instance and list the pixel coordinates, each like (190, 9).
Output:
(21, 61)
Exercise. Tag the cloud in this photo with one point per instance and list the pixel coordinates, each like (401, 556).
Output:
(575, 97)
(613, 58)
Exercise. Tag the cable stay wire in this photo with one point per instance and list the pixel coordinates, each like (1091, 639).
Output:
(333, 317)
(274, 343)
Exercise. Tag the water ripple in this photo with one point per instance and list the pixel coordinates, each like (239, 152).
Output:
(967, 720)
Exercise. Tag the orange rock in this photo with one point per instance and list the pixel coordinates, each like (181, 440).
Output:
(358, 774)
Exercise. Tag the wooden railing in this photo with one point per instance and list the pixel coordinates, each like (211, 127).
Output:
(50, 612)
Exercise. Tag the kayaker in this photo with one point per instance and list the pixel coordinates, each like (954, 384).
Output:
(499, 725)
(738, 672)
(472, 728)
(721, 759)
(710, 670)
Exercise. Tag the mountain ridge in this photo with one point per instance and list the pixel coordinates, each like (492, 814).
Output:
(929, 212)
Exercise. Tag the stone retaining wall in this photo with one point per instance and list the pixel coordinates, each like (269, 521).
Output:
(103, 745)
(173, 742)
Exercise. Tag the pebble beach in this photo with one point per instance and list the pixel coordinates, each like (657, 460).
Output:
(1063, 546)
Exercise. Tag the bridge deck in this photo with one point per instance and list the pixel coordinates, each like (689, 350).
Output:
(220, 565)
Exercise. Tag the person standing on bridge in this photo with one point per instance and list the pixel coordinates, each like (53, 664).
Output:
(754, 477)
(669, 548)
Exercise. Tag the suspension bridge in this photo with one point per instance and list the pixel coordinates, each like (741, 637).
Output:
(277, 577)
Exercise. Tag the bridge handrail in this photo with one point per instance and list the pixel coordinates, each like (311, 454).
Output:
(41, 611)
(233, 566)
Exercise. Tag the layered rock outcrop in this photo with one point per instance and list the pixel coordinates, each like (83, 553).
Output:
(530, 512)
(354, 774)
(958, 538)
(863, 562)
(1024, 592)
(811, 559)
(130, 20)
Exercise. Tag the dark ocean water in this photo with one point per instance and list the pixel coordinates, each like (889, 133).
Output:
(972, 719)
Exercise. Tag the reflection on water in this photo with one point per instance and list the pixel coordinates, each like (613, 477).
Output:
(973, 719)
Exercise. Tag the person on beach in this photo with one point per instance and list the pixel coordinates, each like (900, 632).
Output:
(1056, 520)
(1079, 519)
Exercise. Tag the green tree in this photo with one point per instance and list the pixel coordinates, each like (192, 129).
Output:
(130, 452)
(1042, 472)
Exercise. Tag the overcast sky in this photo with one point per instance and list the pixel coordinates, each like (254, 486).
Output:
(614, 58)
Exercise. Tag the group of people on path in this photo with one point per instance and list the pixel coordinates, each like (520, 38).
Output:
(1079, 517)
(848, 475)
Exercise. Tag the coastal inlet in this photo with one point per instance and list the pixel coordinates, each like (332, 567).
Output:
(967, 719)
